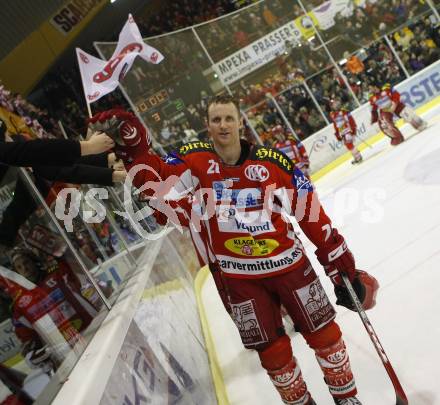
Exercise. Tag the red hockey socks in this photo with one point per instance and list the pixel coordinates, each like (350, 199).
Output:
(284, 372)
(332, 356)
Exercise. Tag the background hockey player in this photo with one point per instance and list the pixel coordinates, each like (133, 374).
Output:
(262, 263)
(385, 106)
(345, 128)
(293, 148)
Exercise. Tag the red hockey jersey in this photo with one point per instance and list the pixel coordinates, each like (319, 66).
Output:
(295, 150)
(343, 123)
(387, 99)
(246, 208)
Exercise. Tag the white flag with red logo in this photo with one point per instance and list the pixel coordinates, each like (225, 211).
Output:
(101, 77)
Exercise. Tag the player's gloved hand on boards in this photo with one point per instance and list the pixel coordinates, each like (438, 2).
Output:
(336, 258)
(365, 287)
(131, 137)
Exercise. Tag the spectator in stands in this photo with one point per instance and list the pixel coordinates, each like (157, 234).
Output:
(354, 65)
(404, 37)
(269, 18)
(416, 62)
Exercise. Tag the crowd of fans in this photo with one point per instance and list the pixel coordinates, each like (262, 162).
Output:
(304, 59)
(418, 45)
(375, 63)
(38, 121)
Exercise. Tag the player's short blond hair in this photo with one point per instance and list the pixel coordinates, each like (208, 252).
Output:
(223, 99)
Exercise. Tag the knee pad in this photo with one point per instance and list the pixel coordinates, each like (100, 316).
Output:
(277, 354)
(324, 337)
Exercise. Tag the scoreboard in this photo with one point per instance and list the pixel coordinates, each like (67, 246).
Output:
(160, 106)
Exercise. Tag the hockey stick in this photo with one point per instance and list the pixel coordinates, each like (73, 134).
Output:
(400, 394)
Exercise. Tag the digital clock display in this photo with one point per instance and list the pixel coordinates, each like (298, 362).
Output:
(153, 101)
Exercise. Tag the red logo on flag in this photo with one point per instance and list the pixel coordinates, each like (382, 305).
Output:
(93, 96)
(112, 64)
(84, 58)
(154, 57)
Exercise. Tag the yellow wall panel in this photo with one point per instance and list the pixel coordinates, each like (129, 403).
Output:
(21, 70)
(26, 64)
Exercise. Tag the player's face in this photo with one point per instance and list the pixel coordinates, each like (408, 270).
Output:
(224, 124)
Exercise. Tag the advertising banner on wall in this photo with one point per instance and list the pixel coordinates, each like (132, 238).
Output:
(9, 343)
(71, 14)
(416, 91)
(265, 49)
(257, 54)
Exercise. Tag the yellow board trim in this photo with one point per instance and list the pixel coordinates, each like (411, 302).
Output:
(11, 362)
(217, 376)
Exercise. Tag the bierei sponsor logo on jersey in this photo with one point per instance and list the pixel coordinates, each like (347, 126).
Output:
(234, 265)
(248, 246)
(274, 156)
(195, 147)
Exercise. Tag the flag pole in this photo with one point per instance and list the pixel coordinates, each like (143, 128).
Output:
(89, 109)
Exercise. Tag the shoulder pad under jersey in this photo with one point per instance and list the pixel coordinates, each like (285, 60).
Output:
(274, 156)
(197, 146)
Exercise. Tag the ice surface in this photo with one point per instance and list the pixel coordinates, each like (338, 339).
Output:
(397, 239)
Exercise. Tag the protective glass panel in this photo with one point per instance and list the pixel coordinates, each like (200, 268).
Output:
(157, 367)
(51, 306)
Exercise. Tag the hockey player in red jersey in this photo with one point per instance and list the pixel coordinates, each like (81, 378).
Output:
(345, 128)
(385, 105)
(247, 194)
(293, 148)
(45, 299)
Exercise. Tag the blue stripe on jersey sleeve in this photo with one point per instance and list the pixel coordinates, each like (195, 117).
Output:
(300, 181)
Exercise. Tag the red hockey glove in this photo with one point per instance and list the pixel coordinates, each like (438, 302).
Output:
(374, 117)
(365, 287)
(336, 258)
(131, 138)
